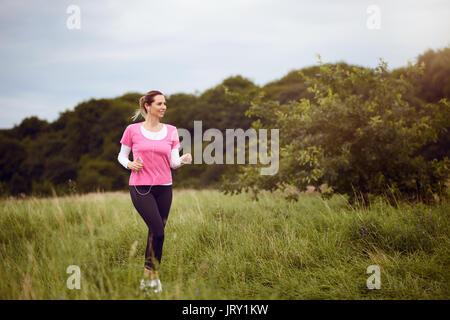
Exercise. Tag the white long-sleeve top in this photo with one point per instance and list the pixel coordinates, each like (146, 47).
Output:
(175, 160)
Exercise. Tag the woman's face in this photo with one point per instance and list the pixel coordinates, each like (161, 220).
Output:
(158, 106)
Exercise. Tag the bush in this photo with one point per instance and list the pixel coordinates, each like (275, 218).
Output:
(357, 134)
(43, 188)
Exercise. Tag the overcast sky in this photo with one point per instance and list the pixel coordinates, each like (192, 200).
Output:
(189, 45)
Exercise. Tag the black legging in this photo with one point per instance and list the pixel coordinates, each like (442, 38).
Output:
(154, 208)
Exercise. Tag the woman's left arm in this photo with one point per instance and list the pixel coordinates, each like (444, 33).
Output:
(176, 161)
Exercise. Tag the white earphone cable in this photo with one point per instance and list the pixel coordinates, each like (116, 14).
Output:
(153, 148)
(143, 194)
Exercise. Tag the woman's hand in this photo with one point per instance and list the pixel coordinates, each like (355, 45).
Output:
(186, 158)
(136, 165)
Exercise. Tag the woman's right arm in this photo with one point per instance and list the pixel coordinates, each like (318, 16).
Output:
(123, 156)
(125, 161)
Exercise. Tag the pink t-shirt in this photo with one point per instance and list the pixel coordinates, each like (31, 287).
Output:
(155, 154)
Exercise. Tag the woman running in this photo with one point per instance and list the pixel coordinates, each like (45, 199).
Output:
(155, 148)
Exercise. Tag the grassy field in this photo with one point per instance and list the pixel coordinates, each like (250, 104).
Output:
(224, 247)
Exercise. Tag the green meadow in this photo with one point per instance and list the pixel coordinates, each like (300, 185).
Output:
(224, 247)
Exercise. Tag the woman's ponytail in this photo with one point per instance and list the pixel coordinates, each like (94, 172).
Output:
(141, 102)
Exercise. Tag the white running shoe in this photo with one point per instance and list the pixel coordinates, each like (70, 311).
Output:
(158, 286)
(151, 285)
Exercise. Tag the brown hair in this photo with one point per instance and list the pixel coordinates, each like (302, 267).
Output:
(148, 98)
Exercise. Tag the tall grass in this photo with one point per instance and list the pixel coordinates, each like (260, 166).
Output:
(224, 247)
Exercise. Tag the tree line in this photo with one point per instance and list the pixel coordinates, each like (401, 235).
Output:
(361, 131)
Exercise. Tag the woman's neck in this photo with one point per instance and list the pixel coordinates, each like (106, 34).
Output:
(152, 123)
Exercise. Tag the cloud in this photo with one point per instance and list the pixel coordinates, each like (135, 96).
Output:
(184, 46)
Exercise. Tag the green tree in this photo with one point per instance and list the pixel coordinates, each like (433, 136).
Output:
(30, 127)
(358, 135)
(434, 84)
(98, 174)
(59, 169)
(291, 87)
(13, 153)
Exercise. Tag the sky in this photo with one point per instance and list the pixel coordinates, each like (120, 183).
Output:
(56, 54)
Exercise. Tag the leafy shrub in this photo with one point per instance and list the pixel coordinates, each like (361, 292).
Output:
(357, 134)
